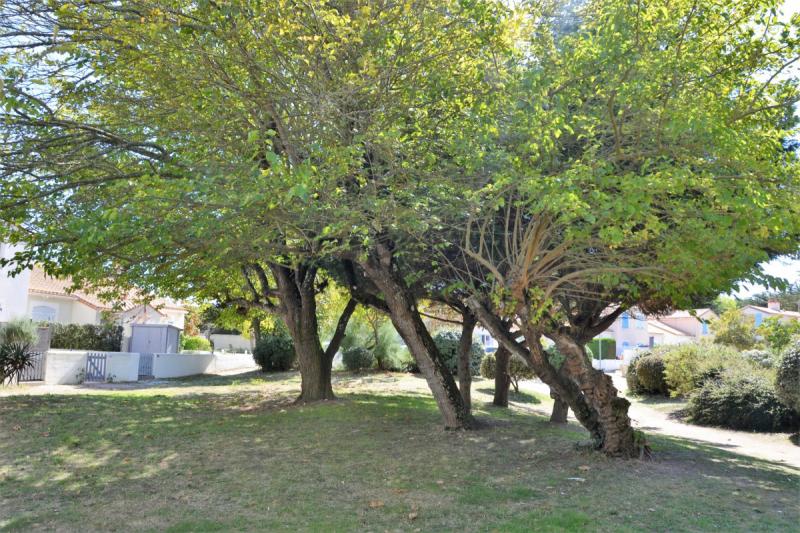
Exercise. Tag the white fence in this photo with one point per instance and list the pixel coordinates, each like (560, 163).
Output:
(608, 365)
(63, 367)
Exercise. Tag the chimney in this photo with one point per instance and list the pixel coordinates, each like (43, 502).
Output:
(774, 304)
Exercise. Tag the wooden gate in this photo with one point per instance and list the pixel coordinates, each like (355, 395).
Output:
(35, 372)
(95, 367)
(145, 366)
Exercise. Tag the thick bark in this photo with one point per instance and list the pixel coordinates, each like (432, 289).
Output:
(408, 323)
(560, 410)
(298, 308)
(613, 428)
(464, 358)
(502, 380)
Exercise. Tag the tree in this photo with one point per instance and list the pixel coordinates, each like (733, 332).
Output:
(734, 328)
(777, 333)
(185, 146)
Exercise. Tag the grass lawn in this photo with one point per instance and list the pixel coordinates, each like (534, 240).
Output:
(232, 453)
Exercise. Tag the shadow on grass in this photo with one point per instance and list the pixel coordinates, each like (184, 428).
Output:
(517, 397)
(320, 466)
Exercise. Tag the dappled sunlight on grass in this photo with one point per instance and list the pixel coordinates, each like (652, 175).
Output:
(238, 455)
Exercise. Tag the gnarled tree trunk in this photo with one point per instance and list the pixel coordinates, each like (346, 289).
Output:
(560, 409)
(613, 424)
(502, 380)
(408, 323)
(588, 392)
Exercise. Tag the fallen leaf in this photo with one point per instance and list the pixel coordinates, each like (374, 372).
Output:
(375, 504)
(440, 482)
(397, 491)
(585, 468)
(412, 516)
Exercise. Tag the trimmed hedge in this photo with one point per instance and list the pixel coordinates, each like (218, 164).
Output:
(741, 402)
(195, 343)
(100, 338)
(605, 347)
(274, 353)
(357, 358)
(787, 379)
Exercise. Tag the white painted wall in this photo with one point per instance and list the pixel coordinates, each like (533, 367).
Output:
(175, 365)
(231, 342)
(13, 291)
(232, 361)
(122, 366)
(64, 367)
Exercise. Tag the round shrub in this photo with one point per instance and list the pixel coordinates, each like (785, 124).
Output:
(762, 358)
(650, 374)
(195, 343)
(488, 366)
(517, 369)
(274, 353)
(688, 366)
(357, 358)
(741, 402)
(632, 378)
(787, 379)
(447, 342)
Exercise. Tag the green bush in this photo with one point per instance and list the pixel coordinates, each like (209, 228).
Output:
(606, 347)
(745, 402)
(787, 378)
(688, 365)
(650, 374)
(101, 338)
(517, 369)
(274, 353)
(19, 331)
(357, 358)
(195, 343)
(632, 378)
(447, 342)
(762, 358)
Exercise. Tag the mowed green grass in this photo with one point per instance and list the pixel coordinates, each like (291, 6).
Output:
(220, 454)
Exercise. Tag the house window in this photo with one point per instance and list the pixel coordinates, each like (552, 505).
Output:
(640, 322)
(759, 319)
(705, 328)
(625, 345)
(625, 321)
(43, 313)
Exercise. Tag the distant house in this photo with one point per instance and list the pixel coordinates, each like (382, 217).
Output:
(633, 329)
(44, 298)
(680, 326)
(773, 310)
(629, 330)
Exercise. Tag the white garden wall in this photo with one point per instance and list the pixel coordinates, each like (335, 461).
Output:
(176, 365)
(64, 367)
(224, 362)
(122, 366)
(607, 365)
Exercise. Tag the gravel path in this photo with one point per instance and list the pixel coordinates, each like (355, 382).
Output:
(775, 447)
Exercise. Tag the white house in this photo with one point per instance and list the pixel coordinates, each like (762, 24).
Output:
(773, 310)
(13, 290)
(629, 330)
(44, 298)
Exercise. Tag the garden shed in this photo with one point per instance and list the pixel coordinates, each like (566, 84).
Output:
(154, 338)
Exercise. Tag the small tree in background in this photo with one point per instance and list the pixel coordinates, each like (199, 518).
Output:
(735, 329)
(787, 380)
(778, 334)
